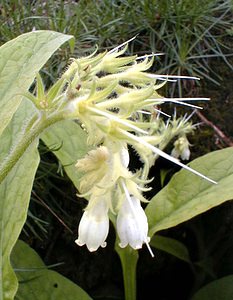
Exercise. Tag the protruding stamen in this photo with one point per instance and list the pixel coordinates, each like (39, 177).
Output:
(163, 154)
(117, 119)
(121, 45)
(149, 55)
(172, 76)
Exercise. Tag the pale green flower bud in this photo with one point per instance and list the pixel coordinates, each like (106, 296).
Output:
(181, 148)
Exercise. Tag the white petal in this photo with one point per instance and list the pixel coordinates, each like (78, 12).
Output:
(175, 153)
(124, 154)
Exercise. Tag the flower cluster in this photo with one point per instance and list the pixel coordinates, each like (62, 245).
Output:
(117, 103)
(111, 187)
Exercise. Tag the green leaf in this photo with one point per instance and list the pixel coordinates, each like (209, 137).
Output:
(55, 90)
(188, 195)
(68, 141)
(20, 60)
(15, 193)
(220, 289)
(40, 88)
(171, 246)
(37, 282)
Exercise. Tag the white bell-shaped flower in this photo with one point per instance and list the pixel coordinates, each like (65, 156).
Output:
(94, 226)
(132, 225)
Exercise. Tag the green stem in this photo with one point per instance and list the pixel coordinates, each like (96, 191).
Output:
(129, 258)
(26, 141)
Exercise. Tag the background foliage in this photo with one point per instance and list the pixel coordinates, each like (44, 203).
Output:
(195, 38)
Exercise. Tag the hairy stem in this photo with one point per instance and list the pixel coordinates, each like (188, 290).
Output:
(19, 149)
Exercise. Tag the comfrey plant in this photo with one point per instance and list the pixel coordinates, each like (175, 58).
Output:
(102, 106)
(117, 102)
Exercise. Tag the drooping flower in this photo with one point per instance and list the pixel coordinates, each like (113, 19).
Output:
(132, 225)
(102, 168)
(94, 226)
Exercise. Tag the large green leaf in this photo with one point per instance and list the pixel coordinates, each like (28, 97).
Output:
(220, 289)
(37, 282)
(15, 193)
(171, 246)
(69, 143)
(20, 60)
(188, 195)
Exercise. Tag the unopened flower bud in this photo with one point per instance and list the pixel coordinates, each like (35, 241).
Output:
(181, 148)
